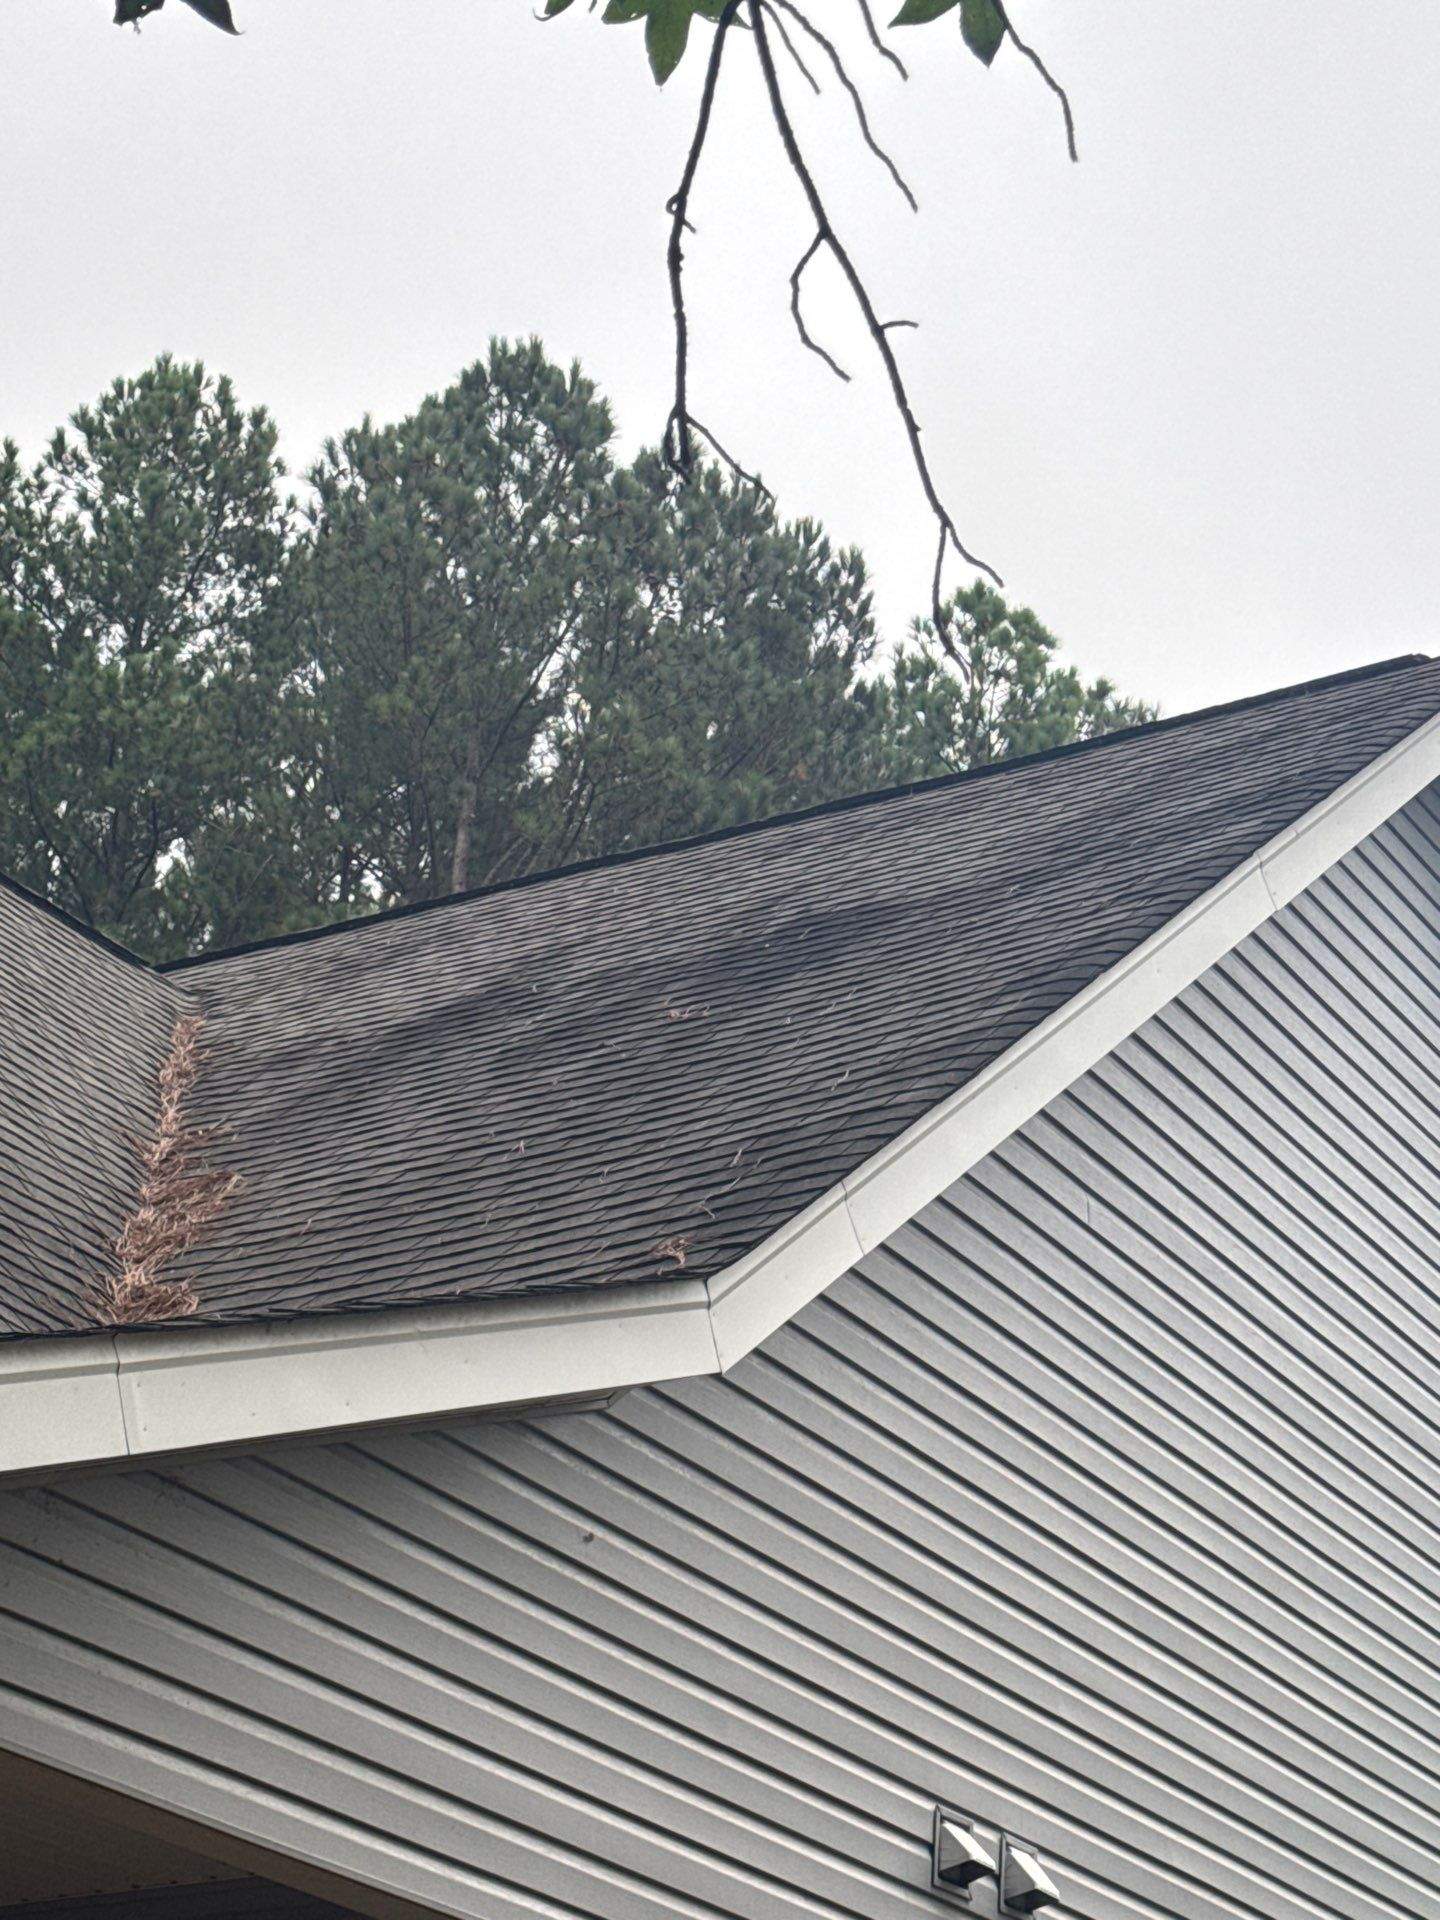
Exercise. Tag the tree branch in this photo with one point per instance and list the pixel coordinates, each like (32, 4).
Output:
(740, 473)
(886, 52)
(793, 50)
(800, 327)
(949, 535)
(850, 87)
(677, 443)
(1046, 75)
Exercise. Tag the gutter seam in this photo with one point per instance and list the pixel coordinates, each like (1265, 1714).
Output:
(120, 1399)
(845, 1180)
(710, 1327)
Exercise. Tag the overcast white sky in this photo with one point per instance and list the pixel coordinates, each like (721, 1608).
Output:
(1183, 395)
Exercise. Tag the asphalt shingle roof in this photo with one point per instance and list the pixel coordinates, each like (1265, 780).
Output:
(84, 1030)
(594, 1077)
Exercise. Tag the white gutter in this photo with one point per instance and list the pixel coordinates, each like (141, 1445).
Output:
(136, 1397)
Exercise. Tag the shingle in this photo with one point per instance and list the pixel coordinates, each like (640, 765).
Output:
(84, 1030)
(544, 1085)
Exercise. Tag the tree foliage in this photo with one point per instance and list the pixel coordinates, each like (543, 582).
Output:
(1002, 691)
(667, 23)
(129, 13)
(444, 583)
(715, 680)
(518, 655)
(483, 648)
(142, 563)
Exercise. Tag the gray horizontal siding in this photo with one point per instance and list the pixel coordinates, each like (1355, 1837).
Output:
(1102, 1502)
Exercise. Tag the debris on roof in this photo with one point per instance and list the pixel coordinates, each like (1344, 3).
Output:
(490, 1094)
(182, 1195)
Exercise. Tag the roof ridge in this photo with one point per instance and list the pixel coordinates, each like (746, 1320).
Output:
(32, 899)
(844, 803)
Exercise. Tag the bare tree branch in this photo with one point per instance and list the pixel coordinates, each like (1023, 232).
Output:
(800, 327)
(1046, 75)
(677, 444)
(682, 429)
(789, 6)
(740, 473)
(949, 535)
(792, 49)
(885, 51)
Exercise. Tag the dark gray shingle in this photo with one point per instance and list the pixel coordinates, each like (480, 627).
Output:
(569, 1082)
(84, 1030)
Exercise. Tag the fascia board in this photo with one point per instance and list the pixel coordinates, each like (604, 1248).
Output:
(59, 1406)
(759, 1294)
(230, 1386)
(137, 1396)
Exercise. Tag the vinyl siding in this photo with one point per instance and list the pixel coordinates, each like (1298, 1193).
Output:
(1102, 1502)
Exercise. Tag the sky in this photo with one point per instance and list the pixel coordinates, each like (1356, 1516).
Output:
(1183, 395)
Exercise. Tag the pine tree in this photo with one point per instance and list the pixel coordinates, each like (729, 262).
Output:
(520, 655)
(1006, 694)
(140, 568)
(443, 579)
(484, 650)
(719, 647)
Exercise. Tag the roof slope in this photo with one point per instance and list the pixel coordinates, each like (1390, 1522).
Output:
(644, 1067)
(84, 1030)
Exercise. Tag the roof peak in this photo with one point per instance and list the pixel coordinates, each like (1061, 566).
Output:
(845, 803)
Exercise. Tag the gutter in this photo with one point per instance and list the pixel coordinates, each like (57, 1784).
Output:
(135, 1397)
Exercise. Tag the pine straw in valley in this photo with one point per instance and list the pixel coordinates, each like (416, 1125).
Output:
(182, 1193)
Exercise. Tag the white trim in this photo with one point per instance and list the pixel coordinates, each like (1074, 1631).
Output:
(60, 1405)
(136, 1396)
(759, 1294)
(133, 1397)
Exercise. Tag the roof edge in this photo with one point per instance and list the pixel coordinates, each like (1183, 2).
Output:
(844, 803)
(134, 1397)
(82, 927)
(137, 1397)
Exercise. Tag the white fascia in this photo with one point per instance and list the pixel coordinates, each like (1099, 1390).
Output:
(762, 1291)
(138, 1397)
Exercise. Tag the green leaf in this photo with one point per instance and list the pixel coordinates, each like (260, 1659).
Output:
(667, 28)
(552, 7)
(217, 12)
(917, 13)
(983, 27)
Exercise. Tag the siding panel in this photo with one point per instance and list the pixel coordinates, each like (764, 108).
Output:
(1102, 1501)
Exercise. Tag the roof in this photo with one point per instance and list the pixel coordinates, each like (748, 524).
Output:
(84, 1029)
(641, 1069)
